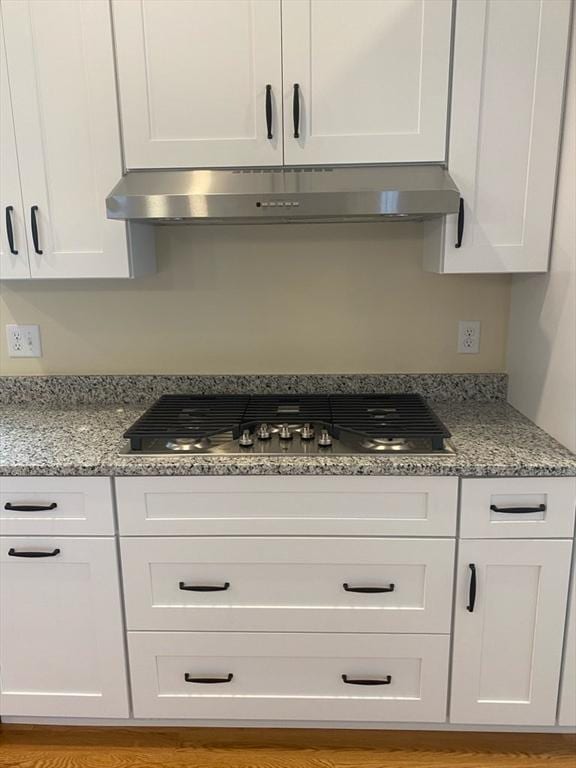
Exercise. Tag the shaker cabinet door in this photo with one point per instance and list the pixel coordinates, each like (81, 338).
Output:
(507, 94)
(365, 81)
(61, 634)
(567, 711)
(509, 631)
(194, 77)
(62, 83)
(13, 245)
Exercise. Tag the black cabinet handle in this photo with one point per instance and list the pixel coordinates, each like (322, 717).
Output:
(458, 243)
(269, 111)
(296, 110)
(10, 230)
(34, 225)
(369, 590)
(472, 588)
(13, 553)
(30, 507)
(203, 588)
(208, 680)
(353, 681)
(518, 510)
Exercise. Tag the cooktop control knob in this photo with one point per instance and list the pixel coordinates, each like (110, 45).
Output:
(325, 439)
(263, 432)
(246, 439)
(307, 432)
(285, 433)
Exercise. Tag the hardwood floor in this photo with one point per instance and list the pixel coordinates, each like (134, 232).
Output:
(50, 747)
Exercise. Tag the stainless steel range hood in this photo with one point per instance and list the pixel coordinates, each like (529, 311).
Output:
(362, 193)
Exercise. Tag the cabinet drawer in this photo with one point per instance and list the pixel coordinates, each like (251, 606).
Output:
(289, 584)
(273, 676)
(526, 507)
(56, 506)
(297, 506)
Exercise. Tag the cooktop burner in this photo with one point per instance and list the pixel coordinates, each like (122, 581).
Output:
(293, 425)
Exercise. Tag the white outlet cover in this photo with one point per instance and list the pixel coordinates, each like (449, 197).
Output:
(469, 337)
(23, 340)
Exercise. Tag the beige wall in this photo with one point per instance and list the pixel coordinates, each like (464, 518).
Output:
(266, 299)
(542, 353)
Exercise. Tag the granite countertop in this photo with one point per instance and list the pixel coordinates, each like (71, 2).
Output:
(491, 439)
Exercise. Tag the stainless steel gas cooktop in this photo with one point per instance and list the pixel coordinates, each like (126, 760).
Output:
(288, 425)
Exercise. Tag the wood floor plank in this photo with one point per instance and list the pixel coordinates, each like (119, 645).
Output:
(78, 747)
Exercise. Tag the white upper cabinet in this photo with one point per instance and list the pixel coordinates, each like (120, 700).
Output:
(60, 67)
(13, 246)
(507, 94)
(369, 78)
(194, 77)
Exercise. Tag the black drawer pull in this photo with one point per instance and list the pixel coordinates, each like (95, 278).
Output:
(458, 243)
(13, 553)
(369, 590)
(296, 110)
(518, 510)
(208, 680)
(269, 111)
(34, 225)
(10, 230)
(353, 681)
(203, 588)
(30, 507)
(472, 589)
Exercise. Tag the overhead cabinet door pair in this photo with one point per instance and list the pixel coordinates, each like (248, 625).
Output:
(60, 143)
(265, 82)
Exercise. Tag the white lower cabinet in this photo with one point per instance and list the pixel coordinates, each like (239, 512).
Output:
(289, 676)
(567, 710)
(61, 632)
(509, 631)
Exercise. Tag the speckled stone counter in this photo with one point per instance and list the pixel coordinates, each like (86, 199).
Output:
(491, 438)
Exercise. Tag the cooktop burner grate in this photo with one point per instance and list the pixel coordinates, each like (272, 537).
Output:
(388, 416)
(295, 409)
(375, 422)
(188, 416)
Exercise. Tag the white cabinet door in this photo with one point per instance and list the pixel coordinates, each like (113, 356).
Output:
(507, 92)
(372, 78)
(13, 245)
(567, 712)
(61, 634)
(61, 70)
(508, 649)
(193, 78)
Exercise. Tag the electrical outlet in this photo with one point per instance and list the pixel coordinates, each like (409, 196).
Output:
(469, 337)
(23, 341)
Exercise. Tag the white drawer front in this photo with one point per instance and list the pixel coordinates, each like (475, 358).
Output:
(288, 584)
(540, 507)
(289, 676)
(305, 506)
(56, 506)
